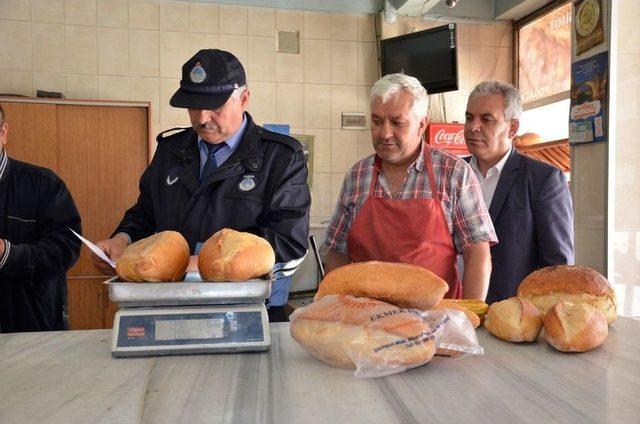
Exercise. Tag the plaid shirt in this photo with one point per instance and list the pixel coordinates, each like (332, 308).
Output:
(464, 208)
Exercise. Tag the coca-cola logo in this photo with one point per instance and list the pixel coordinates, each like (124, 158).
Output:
(449, 138)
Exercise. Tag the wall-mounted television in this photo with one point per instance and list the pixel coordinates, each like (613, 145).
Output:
(430, 56)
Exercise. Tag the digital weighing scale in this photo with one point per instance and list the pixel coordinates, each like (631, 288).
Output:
(189, 317)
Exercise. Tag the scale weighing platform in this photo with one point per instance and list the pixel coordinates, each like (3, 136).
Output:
(189, 317)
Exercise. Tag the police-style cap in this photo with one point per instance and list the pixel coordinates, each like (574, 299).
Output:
(208, 79)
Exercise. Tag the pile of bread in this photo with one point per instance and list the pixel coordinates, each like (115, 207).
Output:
(371, 313)
(573, 304)
(228, 255)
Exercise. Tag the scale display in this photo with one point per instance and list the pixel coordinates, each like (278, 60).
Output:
(188, 329)
(165, 331)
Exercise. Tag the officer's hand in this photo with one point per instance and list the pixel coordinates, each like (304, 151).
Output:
(113, 247)
(193, 263)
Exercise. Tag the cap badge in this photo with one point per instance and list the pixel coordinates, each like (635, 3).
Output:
(197, 74)
(247, 183)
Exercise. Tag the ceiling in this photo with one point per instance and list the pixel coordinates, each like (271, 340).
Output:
(465, 10)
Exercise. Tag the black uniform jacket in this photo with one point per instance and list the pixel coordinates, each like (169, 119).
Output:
(35, 209)
(261, 188)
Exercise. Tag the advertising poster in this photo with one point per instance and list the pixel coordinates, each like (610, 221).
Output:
(544, 56)
(588, 99)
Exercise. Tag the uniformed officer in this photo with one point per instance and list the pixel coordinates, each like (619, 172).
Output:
(224, 172)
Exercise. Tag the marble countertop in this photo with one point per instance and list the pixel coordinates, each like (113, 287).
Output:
(70, 377)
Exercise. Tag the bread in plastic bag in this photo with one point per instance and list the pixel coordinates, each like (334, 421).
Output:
(377, 338)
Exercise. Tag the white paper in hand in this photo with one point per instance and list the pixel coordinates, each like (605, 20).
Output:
(95, 249)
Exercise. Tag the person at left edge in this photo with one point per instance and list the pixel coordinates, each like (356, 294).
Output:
(224, 172)
(36, 246)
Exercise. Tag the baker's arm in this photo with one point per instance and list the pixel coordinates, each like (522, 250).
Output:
(477, 270)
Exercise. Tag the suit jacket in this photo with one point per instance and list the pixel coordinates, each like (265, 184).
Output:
(532, 213)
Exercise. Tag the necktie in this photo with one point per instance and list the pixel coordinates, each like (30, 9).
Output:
(211, 164)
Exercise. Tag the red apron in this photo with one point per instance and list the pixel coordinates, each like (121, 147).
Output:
(412, 231)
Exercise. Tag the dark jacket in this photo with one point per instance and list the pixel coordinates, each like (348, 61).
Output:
(261, 188)
(36, 209)
(532, 214)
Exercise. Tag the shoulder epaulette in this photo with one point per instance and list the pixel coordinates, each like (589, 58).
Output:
(171, 132)
(280, 138)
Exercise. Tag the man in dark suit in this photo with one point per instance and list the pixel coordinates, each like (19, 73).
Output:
(528, 200)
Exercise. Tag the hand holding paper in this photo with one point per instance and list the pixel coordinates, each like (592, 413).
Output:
(95, 249)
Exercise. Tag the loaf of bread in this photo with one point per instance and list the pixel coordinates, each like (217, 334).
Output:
(231, 255)
(162, 257)
(548, 286)
(403, 285)
(575, 327)
(473, 318)
(349, 332)
(513, 320)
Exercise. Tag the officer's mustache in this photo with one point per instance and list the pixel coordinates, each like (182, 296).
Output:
(207, 126)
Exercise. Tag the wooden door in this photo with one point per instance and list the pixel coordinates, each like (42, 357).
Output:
(89, 306)
(85, 306)
(100, 152)
(103, 152)
(33, 134)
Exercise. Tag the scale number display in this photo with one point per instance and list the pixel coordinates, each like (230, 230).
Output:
(137, 329)
(189, 329)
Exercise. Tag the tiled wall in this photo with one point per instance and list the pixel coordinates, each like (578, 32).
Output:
(589, 204)
(134, 49)
(627, 160)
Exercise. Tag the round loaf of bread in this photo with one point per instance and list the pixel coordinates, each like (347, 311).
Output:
(403, 285)
(349, 332)
(575, 327)
(513, 320)
(577, 284)
(162, 257)
(231, 255)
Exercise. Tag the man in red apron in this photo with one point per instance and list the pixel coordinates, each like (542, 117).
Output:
(409, 202)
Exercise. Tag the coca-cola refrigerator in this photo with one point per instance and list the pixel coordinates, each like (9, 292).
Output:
(448, 137)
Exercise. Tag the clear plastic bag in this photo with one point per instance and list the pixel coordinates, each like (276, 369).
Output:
(377, 338)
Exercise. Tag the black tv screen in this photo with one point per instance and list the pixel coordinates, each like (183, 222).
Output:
(428, 55)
